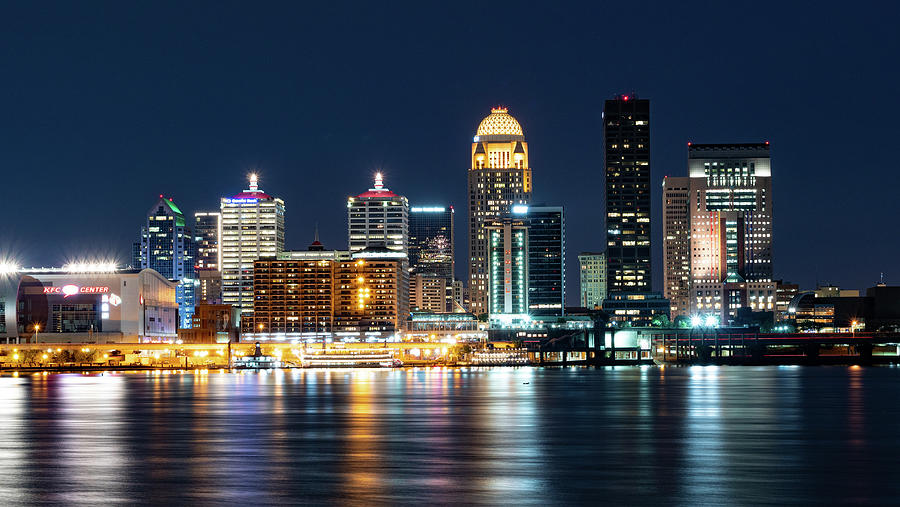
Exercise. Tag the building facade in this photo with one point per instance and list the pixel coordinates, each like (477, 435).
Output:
(207, 231)
(730, 229)
(626, 136)
(592, 278)
(252, 228)
(508, 270)
(636, 309)
(428, 293)
(378, 218)
(168, 247)
(431, 247)
(546, 258)
(319, 294)
(677, 244)
(60, 305)
(499, 178)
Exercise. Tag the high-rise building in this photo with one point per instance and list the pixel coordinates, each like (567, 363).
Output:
(499, 178)
(252, 228)
(677, 244)
(546, 258)
(168, 247)
(318, 292)
(626, 134)
(593, 278)
(508, 269)
(431, 241)
(378, 218)
(207, 230)
(730, 228)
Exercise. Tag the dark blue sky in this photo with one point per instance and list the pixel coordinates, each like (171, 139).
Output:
(107, 105)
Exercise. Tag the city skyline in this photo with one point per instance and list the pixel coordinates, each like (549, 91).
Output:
(99, 146)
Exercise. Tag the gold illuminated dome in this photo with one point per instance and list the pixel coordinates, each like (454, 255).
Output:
(499, 123)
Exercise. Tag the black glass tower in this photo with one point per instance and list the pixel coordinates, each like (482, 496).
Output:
(546, 259)
(626, 134)
(431, 241)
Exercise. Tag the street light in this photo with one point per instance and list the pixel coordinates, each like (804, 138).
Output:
(37, 327)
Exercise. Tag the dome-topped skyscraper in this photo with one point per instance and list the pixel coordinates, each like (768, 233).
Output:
(500, 123)
(499, 178)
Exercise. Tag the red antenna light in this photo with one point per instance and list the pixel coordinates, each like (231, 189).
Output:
(160, 196)
(625, 98)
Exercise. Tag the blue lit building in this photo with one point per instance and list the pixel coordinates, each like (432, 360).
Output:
(168, 247)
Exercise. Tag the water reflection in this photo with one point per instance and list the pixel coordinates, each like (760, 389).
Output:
(439, 435)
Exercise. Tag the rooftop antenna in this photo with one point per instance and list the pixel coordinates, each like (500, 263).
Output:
(317, 232)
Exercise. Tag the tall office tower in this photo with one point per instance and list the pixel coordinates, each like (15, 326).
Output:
(731, 228)
(168, 247)
(207, 230)
(677, 244)
(252, 228)
(546, 258)
(508, 270)
(499, 178)
(626, 133)
(378, 218)
(593, 278)
(431, 241)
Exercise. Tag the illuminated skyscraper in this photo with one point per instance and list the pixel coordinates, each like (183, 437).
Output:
(677, 244)
(730, 201)
(168, 247)
(499, 178)
(508, 270)
(207, 230)
(378, 218)
(252, 228)
(431, 241)
(626, 134)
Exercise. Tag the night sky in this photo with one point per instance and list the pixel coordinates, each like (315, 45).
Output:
(107, 105)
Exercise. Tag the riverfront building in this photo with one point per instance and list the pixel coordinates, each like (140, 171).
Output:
(378, 218)
(168, 247)
(252, 228)
(499, 178)
(87, 304)
(637, 309)
(207, 231)
(730, 228)
(626, 136)
(592, 271)
(322, 293)
(508, 270)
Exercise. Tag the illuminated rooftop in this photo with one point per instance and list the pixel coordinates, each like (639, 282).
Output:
(499, 123)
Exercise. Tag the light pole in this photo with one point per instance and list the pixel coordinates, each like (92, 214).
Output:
(37, 327)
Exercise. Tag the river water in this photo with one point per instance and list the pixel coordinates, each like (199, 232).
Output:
(624, 435)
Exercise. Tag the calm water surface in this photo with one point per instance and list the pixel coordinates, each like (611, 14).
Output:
(626, 435)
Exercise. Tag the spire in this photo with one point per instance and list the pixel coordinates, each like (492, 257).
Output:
(316, 246)
(379, 181)
(254, 185)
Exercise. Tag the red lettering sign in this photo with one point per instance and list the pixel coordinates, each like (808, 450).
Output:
(71, 290)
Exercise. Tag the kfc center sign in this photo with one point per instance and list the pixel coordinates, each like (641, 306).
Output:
(71, 290)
